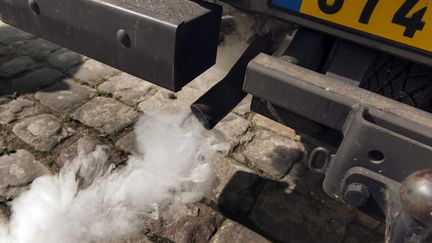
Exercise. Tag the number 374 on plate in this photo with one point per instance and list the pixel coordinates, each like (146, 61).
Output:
(405, 21)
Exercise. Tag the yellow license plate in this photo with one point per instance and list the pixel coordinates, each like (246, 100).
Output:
(404, 21)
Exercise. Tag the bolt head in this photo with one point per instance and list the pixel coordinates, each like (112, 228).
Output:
(356, 195)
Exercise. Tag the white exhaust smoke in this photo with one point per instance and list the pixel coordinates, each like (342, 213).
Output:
(85, 204)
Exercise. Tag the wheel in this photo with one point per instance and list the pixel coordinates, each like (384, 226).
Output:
(401, 80)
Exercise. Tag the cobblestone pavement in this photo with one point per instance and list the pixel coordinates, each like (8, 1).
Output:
(51, 97)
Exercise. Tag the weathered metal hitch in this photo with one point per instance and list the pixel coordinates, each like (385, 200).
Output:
(165, 42)
(378, 142)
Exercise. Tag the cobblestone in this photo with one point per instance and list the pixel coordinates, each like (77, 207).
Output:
(16, 66)
(290, 217)
(65, 59)
(9, 35)
(272, 153)
(273, 126)
(39, 48)
(234, 232)
(232, 127)
(106, 115)
(128, 143)
(92, 71)
(168, 101)
(17, 110)
(42, 132)
(194, 228)
(129, 89)
(18, 170)
(225, 170)
(34, 81)
(63, 96)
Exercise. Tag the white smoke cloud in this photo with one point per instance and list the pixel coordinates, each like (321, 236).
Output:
(174, 169)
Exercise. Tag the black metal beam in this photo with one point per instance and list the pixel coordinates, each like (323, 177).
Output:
(165, 42)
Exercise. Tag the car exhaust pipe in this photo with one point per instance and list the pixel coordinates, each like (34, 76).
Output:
(222, 98)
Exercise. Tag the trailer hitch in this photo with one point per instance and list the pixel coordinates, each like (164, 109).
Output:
(379, 159)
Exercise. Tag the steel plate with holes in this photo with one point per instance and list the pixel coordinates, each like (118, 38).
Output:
(405, 22)
(165, 42)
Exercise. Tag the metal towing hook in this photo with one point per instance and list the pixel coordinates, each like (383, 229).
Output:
(406, 207)
(414, 221)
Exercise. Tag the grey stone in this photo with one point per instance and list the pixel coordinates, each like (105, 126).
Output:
(238, 187)
(9, 35)
(42, 132)
(128, 143)
(136, 239)
(16, 66)
(5, 53)
(273, 126)
(129, 89)
(85, 146)
(244, 107)
(64, 95)
(65, 59)
(88, 145)
(92, 71)
(272, 153)
(17, 110)
(2, 141)
(232, 127)
(18, 170)
(39, 47)
(197, 228)
(35, 80)
(234, 232)
(106, 115)
(357, 234)
(291, 217)
(168, 101)
(226, 169)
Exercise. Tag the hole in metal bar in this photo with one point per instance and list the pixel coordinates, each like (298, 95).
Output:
(123, 38)
(34, 6)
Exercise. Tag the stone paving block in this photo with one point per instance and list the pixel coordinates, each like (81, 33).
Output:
(244, 107)
(39, 47)
(9, 35)
(262, 121)
(225, 170)
(65, 59)
(358, 234)
(290, 217)
(234, 232)
(169, 101)
(272, 153)
(42, 132)
(127, 88)
(18, 170)
(92, 71)
(64, 95)
(35, 80)
(17, 110)
(128, 143)
(232, 127)
(87, 145)
(5, 53)
(106, 115)
(16, 66)
(198, 227)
